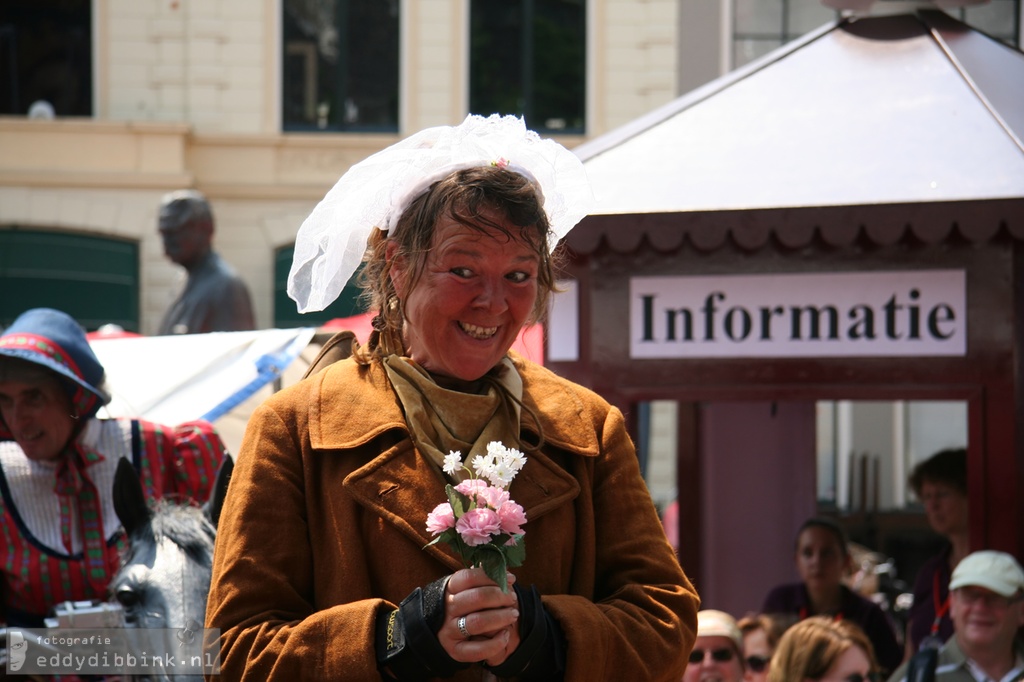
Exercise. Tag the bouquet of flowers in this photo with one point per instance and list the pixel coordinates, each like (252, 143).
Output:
(480, 521)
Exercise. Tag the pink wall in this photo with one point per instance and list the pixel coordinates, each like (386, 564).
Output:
(758, 486)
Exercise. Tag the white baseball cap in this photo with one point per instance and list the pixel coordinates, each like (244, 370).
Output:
(712, 623)
(996, 571)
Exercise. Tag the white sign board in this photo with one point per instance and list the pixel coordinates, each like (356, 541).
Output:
(564, 323)
(906, 313)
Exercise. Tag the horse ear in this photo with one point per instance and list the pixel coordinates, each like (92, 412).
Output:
(129, 500)
(214, 505)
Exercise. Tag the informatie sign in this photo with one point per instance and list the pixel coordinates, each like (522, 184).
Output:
(906, 313)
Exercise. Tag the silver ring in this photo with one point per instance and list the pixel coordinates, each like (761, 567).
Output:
(461, 623)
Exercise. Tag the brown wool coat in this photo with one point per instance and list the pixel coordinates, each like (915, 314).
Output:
(324, 526)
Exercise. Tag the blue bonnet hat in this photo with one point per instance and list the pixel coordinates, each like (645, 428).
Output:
(54, 340)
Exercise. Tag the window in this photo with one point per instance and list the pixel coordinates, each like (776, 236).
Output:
(46, 55)
(347, 304)
(528, 58)
(340, 65)
(998, 18)
(866, 449)
(760, 26)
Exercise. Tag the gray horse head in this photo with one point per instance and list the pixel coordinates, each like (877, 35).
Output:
(164, 579)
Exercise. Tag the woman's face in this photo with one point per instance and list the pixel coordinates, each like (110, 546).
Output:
(756, 647)
(38, 414)
(475, 293)
(853, 665)
(820, 559)
(945, 506)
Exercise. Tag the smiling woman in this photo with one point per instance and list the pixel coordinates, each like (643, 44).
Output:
(485, 273)
(458, 226)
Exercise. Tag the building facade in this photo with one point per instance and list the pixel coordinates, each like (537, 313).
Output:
(204, 95)
(263, 105)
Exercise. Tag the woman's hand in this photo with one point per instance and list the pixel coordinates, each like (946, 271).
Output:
(491, 618)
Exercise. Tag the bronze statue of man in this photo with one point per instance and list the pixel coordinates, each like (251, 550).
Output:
(215, 298)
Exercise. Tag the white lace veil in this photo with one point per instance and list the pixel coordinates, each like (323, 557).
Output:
(331, 242)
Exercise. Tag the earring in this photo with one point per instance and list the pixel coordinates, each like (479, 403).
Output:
(391, 322)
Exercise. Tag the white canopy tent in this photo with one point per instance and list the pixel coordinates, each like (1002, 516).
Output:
(223, 376)
(219, 376)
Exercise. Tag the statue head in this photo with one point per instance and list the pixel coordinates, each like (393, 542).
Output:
(186, 227)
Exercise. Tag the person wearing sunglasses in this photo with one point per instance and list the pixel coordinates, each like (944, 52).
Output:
(987, 607)
(822, 649)
(761, 634)
(717, 654)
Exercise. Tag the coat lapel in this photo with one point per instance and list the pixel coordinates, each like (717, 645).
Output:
(401, 486)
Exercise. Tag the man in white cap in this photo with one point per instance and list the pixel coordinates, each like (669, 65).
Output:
(717, 652)
(987, 608)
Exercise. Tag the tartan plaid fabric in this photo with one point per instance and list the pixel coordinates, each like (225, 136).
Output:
(79, 497)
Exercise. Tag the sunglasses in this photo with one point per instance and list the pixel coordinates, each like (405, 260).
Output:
(758, 664)
(717, 655)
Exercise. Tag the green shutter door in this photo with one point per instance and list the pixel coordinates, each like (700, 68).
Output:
(93, 279)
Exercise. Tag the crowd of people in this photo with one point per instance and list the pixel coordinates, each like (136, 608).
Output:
(986, 591)
(967, 610)
(326, 562)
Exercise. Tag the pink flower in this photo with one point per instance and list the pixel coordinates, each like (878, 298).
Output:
(480, 521)
(471, 487)
(477, 526)
(441, 519)
(511, 517)
(492, 497)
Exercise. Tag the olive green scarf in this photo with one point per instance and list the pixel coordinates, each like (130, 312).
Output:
(441, 420)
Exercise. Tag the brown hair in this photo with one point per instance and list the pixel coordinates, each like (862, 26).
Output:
(24, 371)
(808, 649)
(946, 466)
(464, 196)
(773, 627)
(34, 374)
(829, 525)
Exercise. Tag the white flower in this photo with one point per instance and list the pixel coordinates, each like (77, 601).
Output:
(480, 521)
(515, 460)
(452, 462)
(501, 474)
(496, 449)
(483, 465)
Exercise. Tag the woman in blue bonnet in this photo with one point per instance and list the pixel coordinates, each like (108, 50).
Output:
(61, 537)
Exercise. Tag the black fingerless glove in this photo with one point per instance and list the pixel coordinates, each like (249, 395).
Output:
(541, 651)
(407, 646)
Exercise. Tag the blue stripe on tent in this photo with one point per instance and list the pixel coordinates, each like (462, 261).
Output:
(268, 368)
